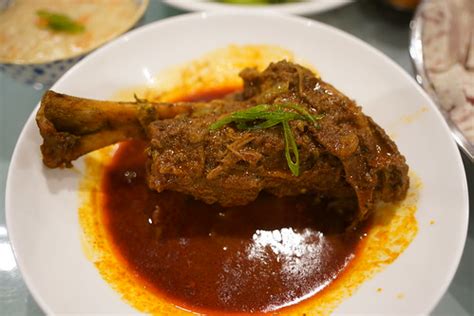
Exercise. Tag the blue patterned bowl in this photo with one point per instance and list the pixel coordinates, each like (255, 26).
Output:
(41, 75)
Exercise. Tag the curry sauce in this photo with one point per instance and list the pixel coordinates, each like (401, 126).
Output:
(271, 253)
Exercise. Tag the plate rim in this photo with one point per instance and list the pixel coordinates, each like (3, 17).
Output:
(304, 22)
(287, 8)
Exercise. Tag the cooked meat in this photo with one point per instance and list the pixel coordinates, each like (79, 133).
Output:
(346, 156)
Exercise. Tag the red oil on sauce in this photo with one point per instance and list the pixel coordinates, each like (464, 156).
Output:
(271, 253)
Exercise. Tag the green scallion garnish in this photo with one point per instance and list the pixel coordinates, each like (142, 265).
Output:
(265, 116)
(60, 22)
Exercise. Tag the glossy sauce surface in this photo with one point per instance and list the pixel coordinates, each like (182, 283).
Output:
(269, 254)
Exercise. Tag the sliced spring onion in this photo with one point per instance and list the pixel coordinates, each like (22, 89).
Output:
(265, 116)
(60, 22)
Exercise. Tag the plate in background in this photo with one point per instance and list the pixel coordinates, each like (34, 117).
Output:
(300, 7)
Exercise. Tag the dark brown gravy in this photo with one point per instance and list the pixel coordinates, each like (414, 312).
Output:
(272, 253)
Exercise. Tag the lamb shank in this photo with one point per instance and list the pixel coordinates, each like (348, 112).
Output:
(344, 157)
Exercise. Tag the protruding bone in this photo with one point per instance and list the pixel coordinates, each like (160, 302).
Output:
(72, 126)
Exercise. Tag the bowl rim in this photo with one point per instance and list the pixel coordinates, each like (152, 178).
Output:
(140, 11)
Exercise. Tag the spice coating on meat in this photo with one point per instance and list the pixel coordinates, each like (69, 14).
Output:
(347, 156)
(346, 159)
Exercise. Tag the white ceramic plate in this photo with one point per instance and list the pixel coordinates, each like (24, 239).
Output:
(41, 204)
(303, 7)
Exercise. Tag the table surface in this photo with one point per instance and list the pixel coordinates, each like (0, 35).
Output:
(386, 30)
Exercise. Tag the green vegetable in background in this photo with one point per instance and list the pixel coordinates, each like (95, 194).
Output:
(265, 116)
(60, 22)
